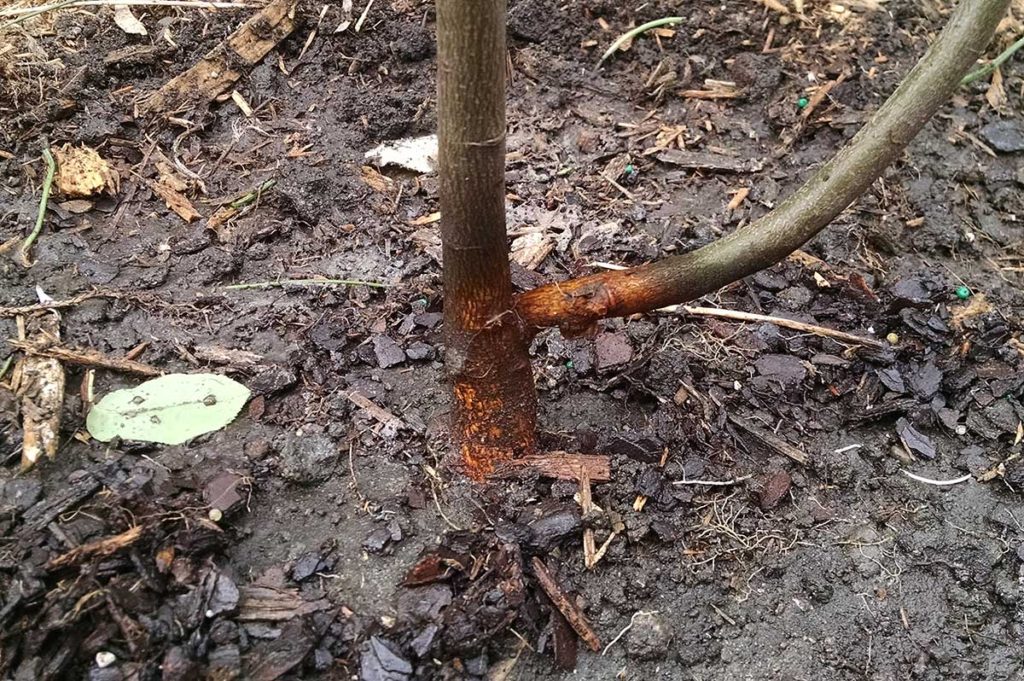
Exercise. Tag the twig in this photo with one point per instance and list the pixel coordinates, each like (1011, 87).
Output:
(253, 195)
(988, 68)
(51, 167)
(7, 312)
(940, 483)
(198, 4)
(380, 414)
(101, 547)
(625, 629)
(629, 35)
(586, 506)
(714, 483)
(565, 604)
(362, 17)
(770, 440)
(778, 321)
(88, 358)
(281, 283)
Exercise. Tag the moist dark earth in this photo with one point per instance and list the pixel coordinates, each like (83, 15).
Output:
(837, 567)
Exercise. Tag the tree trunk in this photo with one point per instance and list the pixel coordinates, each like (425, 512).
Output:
(577, 304)
(494, 411)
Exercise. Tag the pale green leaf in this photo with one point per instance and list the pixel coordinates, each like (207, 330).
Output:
(170, 410)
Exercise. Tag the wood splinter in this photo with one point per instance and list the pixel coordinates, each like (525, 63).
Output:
(565, 605)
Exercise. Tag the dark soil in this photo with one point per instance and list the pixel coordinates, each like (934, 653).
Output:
(840, 568)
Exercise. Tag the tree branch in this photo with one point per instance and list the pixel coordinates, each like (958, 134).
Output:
(576, 304)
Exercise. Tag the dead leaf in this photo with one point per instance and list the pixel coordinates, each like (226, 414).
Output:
(82, 172)
(127, 22)
(530, 250)
(996, 94)
(427, 219)
(376, 181)
(175, 200)
(978, 305)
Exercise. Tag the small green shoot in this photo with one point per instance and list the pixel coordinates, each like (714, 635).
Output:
(629, 35)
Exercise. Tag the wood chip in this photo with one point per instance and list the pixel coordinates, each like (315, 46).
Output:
(700, 160)
(41, 390)
(222, 66)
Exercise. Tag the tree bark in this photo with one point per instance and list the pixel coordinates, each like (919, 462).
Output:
(575, 305)
(495, 405)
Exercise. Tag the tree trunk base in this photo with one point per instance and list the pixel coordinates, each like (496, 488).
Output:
(494, 417)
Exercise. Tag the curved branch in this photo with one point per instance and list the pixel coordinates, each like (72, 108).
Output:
(576, 304)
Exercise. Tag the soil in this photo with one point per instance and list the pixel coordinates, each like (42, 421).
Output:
(841, 567)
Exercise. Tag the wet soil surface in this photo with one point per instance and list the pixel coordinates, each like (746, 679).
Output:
(762, 522)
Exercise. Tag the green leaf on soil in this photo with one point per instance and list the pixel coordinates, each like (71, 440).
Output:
(169, 410)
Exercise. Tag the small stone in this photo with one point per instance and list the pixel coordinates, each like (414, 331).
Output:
(914, 440)
(104, 659)
(224, 598)
(221, 493)
(786, 369)
(776, 487)
(1006, 136)
(420, 351)
(387, 352)
(377, 540)
(305, 566)
(21, 493)
(308, 460)
(649, 637)
(271, 379)
(613, 349)
(378, 662)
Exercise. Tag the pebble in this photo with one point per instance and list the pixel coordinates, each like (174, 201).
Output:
(387, 352)
(649, 637)
(307, 460)
(1006, 136)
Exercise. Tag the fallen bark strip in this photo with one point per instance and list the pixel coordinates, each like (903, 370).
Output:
(222, 66)
(565, 605)
(575, 305)
(560, 466)
(87, 358)
(8, 312)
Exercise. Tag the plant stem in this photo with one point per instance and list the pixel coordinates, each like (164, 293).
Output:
(51, 168)
(632, 33)
(575, 305)
(988, 68)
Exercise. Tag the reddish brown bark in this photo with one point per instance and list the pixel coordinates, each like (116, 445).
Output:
(577, 304)
(495, 406)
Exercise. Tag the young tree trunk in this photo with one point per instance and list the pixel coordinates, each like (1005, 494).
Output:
(577, 304)
(495, 406)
